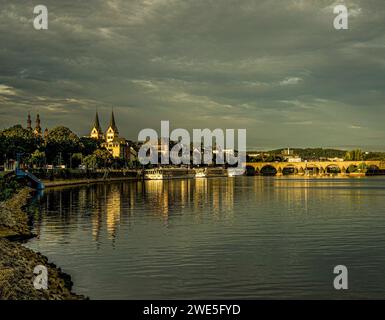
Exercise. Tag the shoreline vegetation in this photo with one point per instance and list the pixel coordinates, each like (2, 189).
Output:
(18, 262)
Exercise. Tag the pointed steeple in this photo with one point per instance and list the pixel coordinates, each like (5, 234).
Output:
(97, 123)
(112, 123)
(37, 130)
(112, 131)
(96, 131)
(29, 122)
(38, 122)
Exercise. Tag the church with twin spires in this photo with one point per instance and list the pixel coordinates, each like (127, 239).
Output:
(118, 146)
(38, 132)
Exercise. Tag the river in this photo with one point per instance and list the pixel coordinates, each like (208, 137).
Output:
(241, 237)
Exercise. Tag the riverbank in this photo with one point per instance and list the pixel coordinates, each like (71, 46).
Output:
(79, 182)
(17, 263)
(62, 183)
(13, 219)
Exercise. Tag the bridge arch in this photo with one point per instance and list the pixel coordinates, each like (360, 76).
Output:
(312, 169)
(251, 171)
(351, 168)
(373, 170)
(289, 170)
(333, 169)
(316, 167)
(268, 170)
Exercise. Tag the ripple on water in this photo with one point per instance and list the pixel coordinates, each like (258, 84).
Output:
(217, 238)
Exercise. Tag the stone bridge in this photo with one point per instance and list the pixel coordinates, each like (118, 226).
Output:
(314, 167)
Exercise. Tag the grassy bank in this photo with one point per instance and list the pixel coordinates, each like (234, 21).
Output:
(60, 183)
(8, 185)
(13, 219)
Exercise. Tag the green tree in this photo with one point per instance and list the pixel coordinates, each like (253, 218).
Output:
(354, 155)
(89, 145)
(16, 140)
(362, 167)
(101, 158)
(90, 161)
(61, 143)
(352, 168)
(104, 157)
(37, 158)
(76, 159)
(2, 147)
(379, 156)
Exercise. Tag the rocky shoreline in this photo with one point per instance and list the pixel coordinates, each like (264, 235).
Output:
(17, 262)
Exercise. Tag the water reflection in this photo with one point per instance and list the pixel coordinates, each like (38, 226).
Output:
(242, 237)
(104, 204)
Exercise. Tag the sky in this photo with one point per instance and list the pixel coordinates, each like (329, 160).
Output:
(276, 68)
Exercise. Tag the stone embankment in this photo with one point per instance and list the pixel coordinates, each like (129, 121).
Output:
(17, 263)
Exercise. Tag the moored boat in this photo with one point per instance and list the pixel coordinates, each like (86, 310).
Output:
(232, 172)
(168, 173)
(200, 173)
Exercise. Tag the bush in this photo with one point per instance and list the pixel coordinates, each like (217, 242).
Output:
(8, 187)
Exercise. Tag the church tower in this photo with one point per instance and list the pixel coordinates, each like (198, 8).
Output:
(96, 132)
(37, 130)
(112, 131)
(29, 122)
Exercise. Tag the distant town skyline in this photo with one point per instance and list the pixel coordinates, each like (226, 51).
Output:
(278, 69)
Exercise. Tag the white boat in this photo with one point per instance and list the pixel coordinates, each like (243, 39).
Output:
(168, 173)
(153, 174)
(232, 172)
(200, 173)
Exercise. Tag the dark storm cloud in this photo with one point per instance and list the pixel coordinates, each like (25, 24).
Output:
(277, 68)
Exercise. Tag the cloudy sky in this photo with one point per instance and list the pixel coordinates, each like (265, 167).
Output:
(277, 68)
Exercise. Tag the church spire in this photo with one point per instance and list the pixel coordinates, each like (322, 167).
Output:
(97, 123)
(38, 122)
(112, 123)
(112, 131)
(96, 131)
(29, 122)
(37, 130)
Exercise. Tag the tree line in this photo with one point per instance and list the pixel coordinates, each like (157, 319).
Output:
(61, 146)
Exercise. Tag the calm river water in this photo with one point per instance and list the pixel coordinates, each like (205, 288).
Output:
(243, 237)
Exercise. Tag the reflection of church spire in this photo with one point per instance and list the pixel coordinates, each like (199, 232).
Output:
(113, 211)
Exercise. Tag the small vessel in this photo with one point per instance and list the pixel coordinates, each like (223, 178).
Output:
(216, 172)
(153, 174)
(200, 173)
(357, 174)
(168, 173)
(232, 172)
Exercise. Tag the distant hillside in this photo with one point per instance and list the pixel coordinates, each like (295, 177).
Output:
(313, 153)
